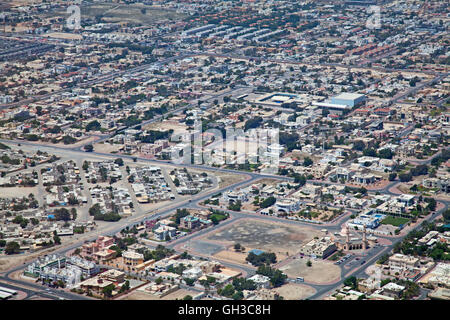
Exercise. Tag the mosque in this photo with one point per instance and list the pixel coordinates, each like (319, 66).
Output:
(347, 241)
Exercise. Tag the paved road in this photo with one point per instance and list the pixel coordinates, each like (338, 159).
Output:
(34, 290)
(371, 257)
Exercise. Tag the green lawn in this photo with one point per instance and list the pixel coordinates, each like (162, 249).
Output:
(337, 256)
(218, 216)
(395, 221)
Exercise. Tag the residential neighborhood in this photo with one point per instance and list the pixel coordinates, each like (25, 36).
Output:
(225, 151)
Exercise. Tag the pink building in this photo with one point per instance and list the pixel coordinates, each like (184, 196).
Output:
(101, 243)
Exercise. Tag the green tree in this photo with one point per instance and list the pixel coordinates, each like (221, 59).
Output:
(227, 291)
(89, 148)
(238, 295)
(12, 248)
(57, 239)
(189, 282)
(125, 286)
(93, 126)
(268, 202)
(307, 162)
(108, 290)
(351, 282)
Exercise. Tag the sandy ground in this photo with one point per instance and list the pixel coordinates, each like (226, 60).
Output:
(8, 262)
(153, 206)
(274, 237)
(250, 207)
(229, 255)
(18, 191)
(19, 296)
(226, 179)
(373, 186)
(139, 295)
(294, 291)
(106, 147)
(68, 146)
(166, 125)
(62, 35)
(39, 298)
(268, 182)
(321, 271)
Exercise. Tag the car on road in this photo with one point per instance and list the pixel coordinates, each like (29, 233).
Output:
(362, 262)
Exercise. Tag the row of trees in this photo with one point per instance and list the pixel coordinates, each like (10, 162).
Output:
(264, 258)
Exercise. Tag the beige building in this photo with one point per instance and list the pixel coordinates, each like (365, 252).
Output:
(399, 262)
(132, 259)
(321, 248)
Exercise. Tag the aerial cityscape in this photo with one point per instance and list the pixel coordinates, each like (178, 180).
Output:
(224, 150)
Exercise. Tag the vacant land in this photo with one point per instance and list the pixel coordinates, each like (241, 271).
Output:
(62, 35)
(133, 13)
(294, 291)
(140, 295)
(7, 262)
(9, 192)
(232, 256)
(226, 179)
(274, 237)
(395, 221)
(165, 126)
(320, 272)
(106, 147)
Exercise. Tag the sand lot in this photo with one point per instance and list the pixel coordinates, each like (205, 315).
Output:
(166, 125)
(139, 295)
(113, 12)
(227, 179)
(106, 147)
(232, 256)
(10, 192)
(274, 236)
(240, 145)
(64, 35)
(321, 271)
(79, 143)
(7, 262)
(294, 291)
(153, 206)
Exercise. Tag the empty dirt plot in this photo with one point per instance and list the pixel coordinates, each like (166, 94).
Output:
(270, 236)
(133, 13)
(166, 125)
(227, 179)
(321, 271)
(294, 291)
(232, 256)
(107, 147)
(140, 295)
(10, 192)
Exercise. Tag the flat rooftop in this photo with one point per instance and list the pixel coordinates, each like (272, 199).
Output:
(348, 96)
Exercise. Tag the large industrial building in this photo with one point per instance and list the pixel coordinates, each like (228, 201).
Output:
(348, 99)
(342, 103)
